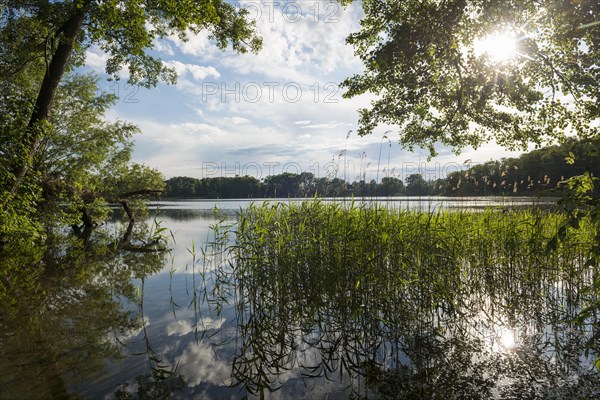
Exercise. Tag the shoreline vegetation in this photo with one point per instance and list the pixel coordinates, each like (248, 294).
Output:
(397, 303)
(542, 172)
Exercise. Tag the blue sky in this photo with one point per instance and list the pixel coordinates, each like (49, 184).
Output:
(277, 111)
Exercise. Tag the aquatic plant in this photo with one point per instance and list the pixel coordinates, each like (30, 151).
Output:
(403, 304)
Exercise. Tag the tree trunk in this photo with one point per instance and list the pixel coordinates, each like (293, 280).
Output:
(88, 222)
(128, 210)
(47, 93)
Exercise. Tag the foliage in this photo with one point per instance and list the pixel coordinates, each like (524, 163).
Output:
(150, 388)
(16, 92)
(421, 62)
(125, 30)
(390, 186)
(416, 185)
(283, 186)
(54, 145)
(430, 79)
(83, 162)
(541, 171)
(412, 304)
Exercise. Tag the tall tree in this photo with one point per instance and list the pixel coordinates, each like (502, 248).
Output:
(416, 185)
(82, 161)
(59, 32)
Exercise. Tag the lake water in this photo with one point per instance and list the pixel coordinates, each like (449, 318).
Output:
(116, 324)
(401, 202)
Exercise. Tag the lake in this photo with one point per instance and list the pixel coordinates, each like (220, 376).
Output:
(425, 203)
(107, 323)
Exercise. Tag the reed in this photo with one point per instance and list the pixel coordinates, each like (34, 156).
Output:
(367, 243)
(389, 295)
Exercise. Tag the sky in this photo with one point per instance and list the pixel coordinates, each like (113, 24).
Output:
(280, 110)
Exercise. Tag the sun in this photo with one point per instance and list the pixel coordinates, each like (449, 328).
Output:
(507, 339)
(503, 339)
(500, 47)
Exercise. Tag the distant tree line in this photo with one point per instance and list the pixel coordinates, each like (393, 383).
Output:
(539, 171)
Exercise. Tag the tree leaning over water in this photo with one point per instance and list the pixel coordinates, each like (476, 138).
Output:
(43, 40)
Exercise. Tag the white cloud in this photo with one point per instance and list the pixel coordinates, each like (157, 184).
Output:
(316, 45)
(237, 120)
(163, 47)
(198, 363)
(199, 128)
(294, 49)
(210, 323)
(232, 128)
(179, 328)
(198, 72)
(96, 60)
(198, 45)
(328, 125)
(183, 327)
(243, 133)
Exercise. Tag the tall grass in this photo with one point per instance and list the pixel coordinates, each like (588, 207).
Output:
(406, 304)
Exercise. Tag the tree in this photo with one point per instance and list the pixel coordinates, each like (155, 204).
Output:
(82, 162)
(57, 33)
(416, 185)
(461, 72)
(283, 185)
(40, 42)
(182, 186)
(435, 69)
(391, 186)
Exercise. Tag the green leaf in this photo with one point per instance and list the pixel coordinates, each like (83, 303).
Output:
(570, 158)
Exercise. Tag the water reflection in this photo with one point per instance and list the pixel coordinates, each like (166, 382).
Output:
(369, 346)
(62, 313)
(88, 320)
(421, 203)
(384, 314)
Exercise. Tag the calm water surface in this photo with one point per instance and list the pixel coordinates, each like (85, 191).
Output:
(413, 203)
(124, 325)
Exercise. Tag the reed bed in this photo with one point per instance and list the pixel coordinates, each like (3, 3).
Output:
(412, 302)
(433, 256)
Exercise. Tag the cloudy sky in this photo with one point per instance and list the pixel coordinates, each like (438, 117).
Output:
(278, 111)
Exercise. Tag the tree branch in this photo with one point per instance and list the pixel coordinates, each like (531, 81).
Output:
(138, 192)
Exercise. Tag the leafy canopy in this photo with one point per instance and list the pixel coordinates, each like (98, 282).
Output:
(82, 161)
(125, 30)
(422, 62)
